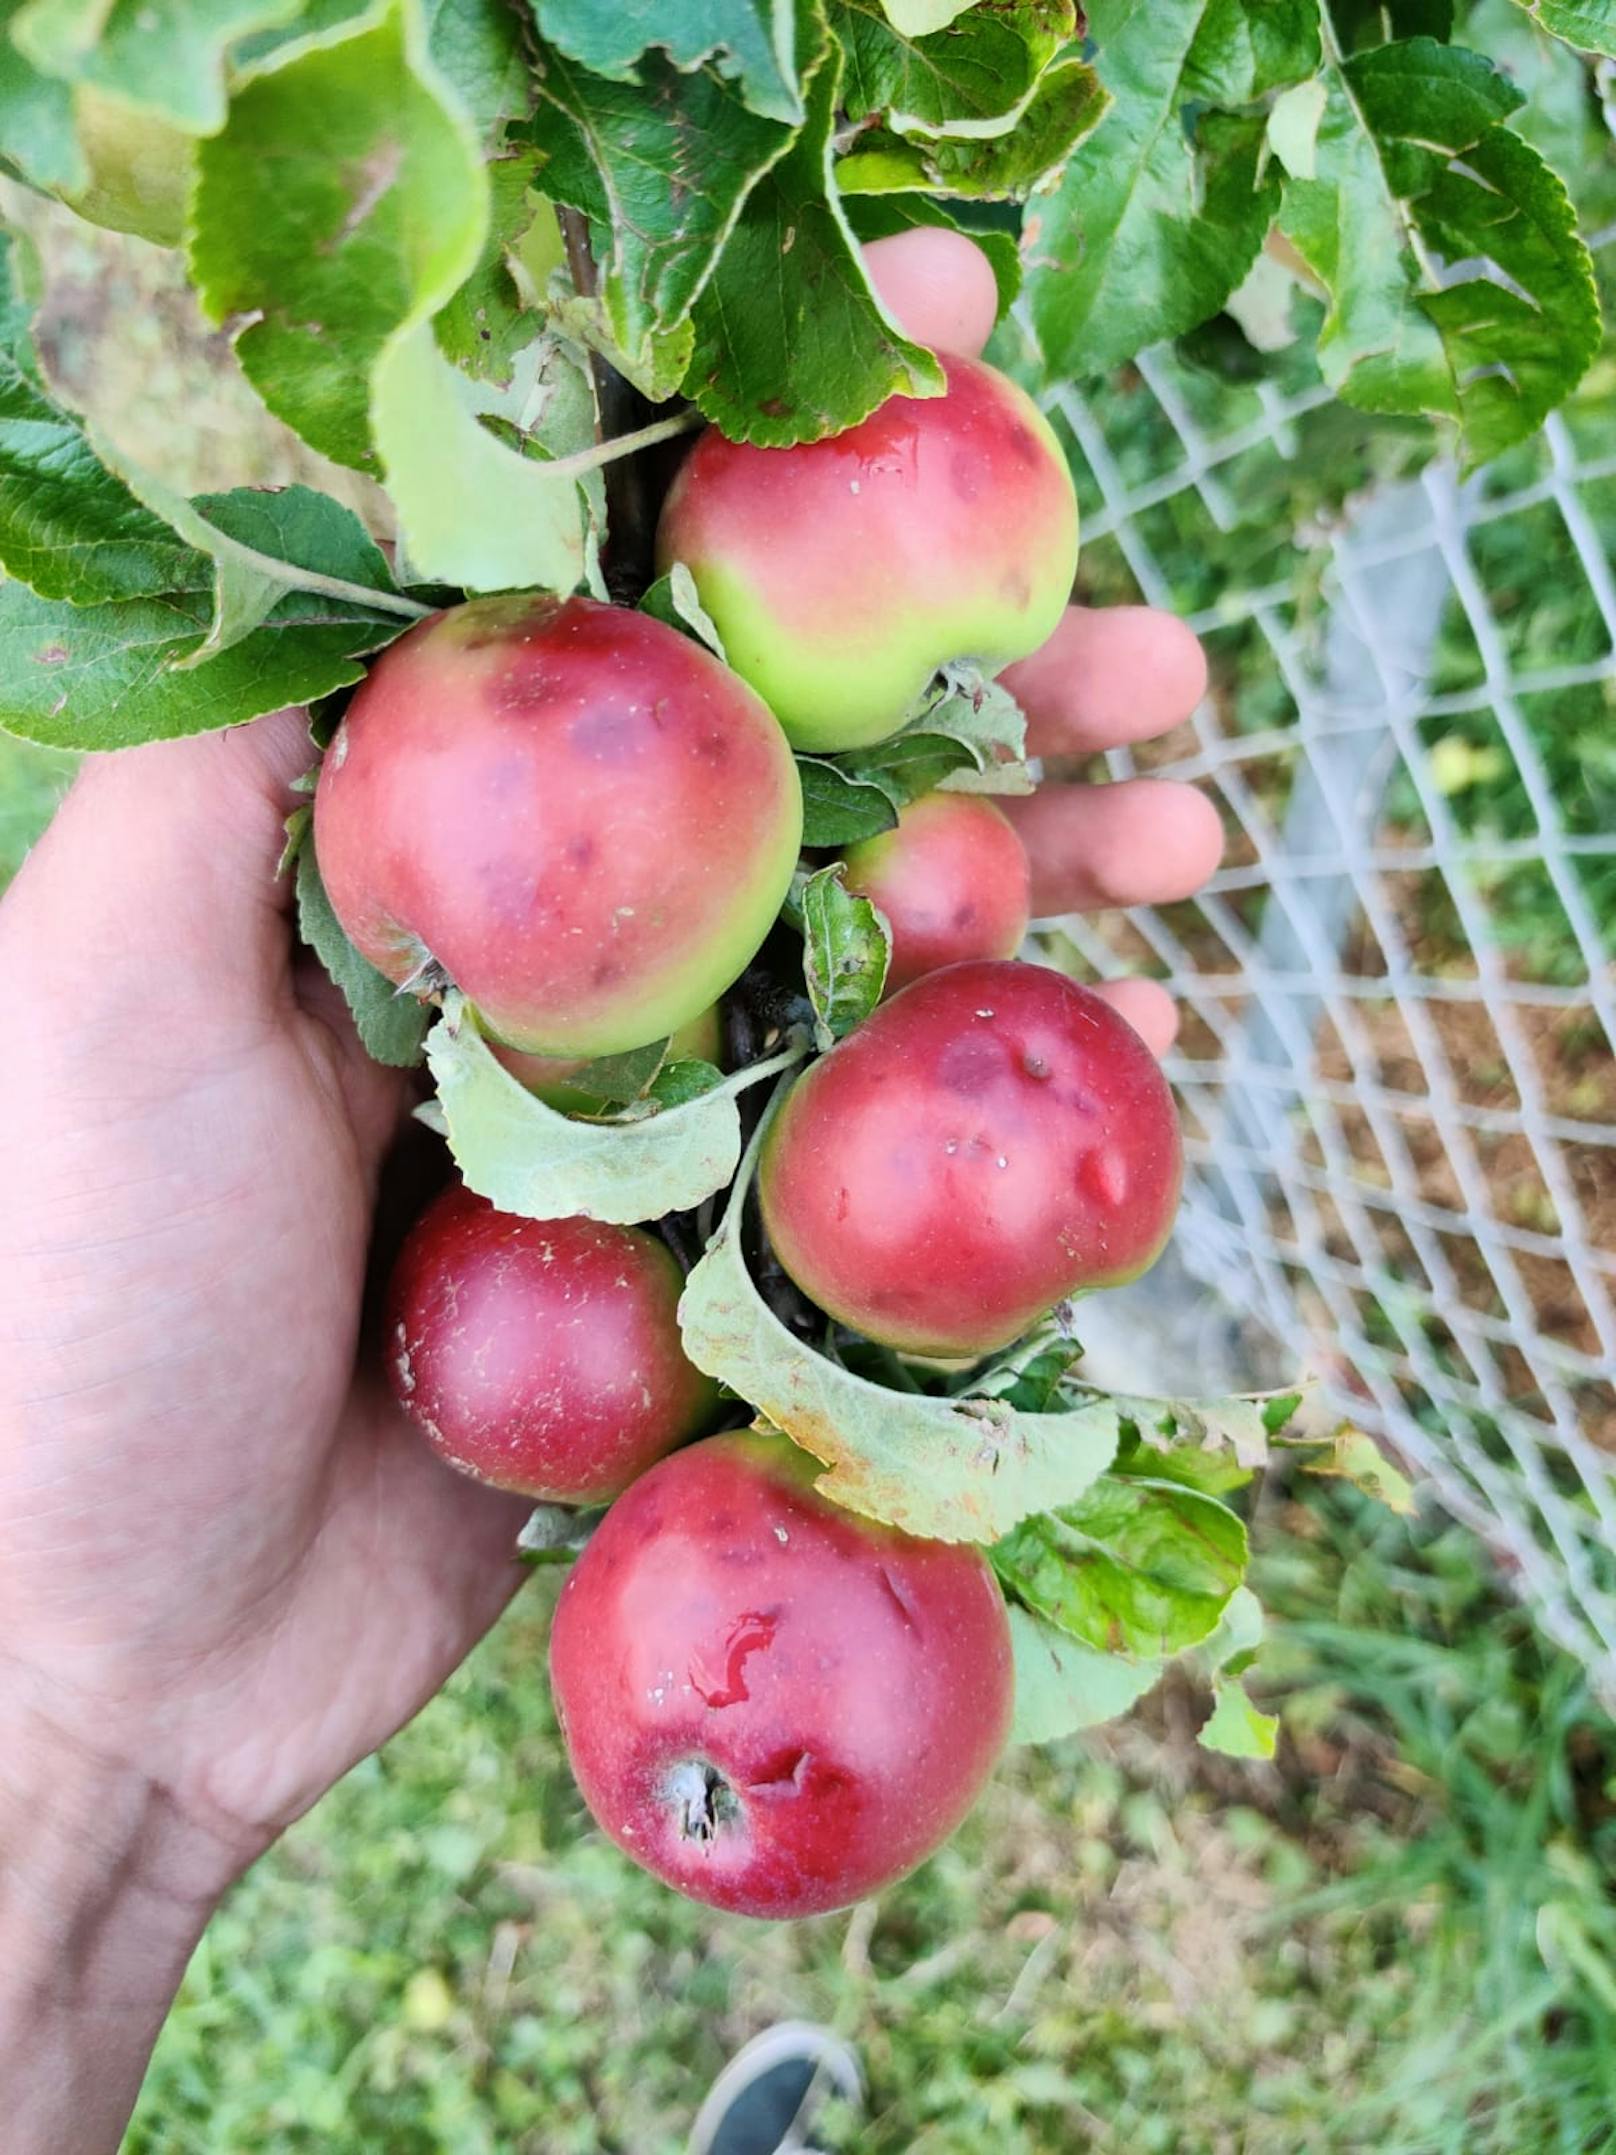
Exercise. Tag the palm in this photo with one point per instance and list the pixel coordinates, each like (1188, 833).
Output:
(228, 1536)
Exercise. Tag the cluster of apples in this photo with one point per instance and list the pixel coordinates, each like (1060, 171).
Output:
(587, 824)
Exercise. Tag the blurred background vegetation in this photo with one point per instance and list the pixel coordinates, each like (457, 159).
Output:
(1399, 1936)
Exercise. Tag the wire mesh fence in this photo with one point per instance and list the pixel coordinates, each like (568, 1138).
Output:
(1396, 1063)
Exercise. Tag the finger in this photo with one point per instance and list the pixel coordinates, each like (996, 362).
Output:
(158, 873)
(1148, 1008)
(1142, 841)
(1107, 676)
(937, 286)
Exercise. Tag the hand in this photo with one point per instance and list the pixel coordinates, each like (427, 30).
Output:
(227, 1571)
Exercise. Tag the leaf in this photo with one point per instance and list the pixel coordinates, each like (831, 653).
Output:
(966, 733)
(477, 46)
(791, 341)
(916, 17)
(392, 1026)
(618, 1079)
(1161, 210)
(1136, 1567)
(103, 676)
(879, 216)
(1236, 1727)
(956, 1469)
(1233, 1646)
(687, 1079)
(38, 138)
(1238, 1424)
(1590, 25)
(167, 56)
(972, 75)
(488, 321)
(527, 1159)
(673, 598)
(557, 1533)
(1067, 105)
(1063, 1685)
(1457, 283)
(838, 809)
(1355, 1457)
(749, 42)
(847, 948)
(661, 166)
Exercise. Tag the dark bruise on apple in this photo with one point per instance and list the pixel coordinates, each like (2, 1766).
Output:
(575, 814)
(775, 1705)
(994, 1139)
(542, 1356)
(841, 574)
(951, 880)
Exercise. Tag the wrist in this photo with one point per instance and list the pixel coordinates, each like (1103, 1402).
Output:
(105, 1889)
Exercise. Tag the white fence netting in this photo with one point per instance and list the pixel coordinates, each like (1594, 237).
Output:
(1396, 1063)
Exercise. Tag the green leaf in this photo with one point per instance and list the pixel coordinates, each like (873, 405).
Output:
(838, 809)
(1355, 1457)
(527, 1159)
(557, 1533)
(791, 341)
(618, 1079)
(972, 76)
(1232, 1647)
(969, 737)
(168, 56)
(1136, 1567)
(956, 1469)
(879, 216)
(477, 47)
(661, 167)
(1413, 169)
(1590, 25)
(673, 598)
(1161, 210)
(392, 1026)
(1063, 1685)
(847, 948)
(1236, 1728)
(915, 18)
(687, 1079)
(488, 321)
(104, 676)
(1068, 104)
(749, 42)
(38, 138)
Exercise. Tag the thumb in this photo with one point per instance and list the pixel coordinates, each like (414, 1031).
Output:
(157, 877)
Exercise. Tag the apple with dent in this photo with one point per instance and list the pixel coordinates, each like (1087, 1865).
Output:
(542, 1356)
(951, 879)
(994, 1139)
(550, 1078)
(573, 813)
(771, 1703)
(841, 574)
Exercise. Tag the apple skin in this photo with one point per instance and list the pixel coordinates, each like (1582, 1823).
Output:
(994, 1139)
(541, 1355)
(952, 880)
(842, 573)
(772, 1704)
(549, 1077)
(581, 816)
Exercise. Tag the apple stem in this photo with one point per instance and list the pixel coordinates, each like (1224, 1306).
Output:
(621, 445)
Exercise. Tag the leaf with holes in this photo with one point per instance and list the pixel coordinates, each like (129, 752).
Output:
(1067, 105)
(1457, 283)
(973, 77)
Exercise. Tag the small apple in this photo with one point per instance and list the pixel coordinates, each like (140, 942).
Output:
(841, 574)
(541, 1355)
(994, 1139)
(775, 1705)
(951, 879)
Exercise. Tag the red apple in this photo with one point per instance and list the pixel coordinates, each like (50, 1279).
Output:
(772, 1704)
(577, 814)
(841, 574)
(541, 1355)
(952, 880)
(989, 1142)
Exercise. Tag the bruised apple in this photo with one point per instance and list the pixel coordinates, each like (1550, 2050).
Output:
(994, 1139)
(772, 1704)
(541, 1355)
(557, 1079)
(574, 814)
(841, 574)
(952, 881)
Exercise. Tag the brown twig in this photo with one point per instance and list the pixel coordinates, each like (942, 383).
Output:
(632, 495)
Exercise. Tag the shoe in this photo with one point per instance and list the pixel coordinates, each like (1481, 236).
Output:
(768, 2095)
